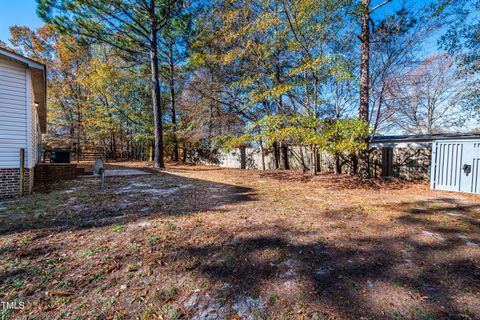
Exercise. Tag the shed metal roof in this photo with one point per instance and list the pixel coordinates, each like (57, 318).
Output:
(425, 137)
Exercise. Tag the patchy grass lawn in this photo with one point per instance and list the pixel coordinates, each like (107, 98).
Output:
(197, 242)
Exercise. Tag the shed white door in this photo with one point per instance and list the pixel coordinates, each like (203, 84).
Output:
(456, 166)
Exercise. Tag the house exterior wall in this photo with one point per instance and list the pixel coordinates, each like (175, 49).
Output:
(19, 128)
(33, 129)
(13, 114)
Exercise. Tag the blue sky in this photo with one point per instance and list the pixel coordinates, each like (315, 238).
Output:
(17, 12)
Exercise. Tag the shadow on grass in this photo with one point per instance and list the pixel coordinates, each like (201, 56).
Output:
(332, 277)
(339, 181)
(436, 214)
(125, 199)
(340, 275)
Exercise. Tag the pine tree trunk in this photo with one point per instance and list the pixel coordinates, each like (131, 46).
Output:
(114, 143)
(276, 154)
(313, 160)
(363, 164)
(354, 164)
(262, 150)
(78, 135)
(286, 163)
(172, 98)
(184, 155)
(319, 161)
(152, 151)
(283, 152)
(156, 99)
(337, 165)
(302, 159)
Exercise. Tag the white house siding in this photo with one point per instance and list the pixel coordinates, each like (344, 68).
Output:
(34, 128)
(13, 113)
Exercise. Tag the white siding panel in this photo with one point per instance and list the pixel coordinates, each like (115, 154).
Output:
(33, 128)
(12, 66)
(12, 92)
(14, 101)
(14, 75)
(13, 138)
(15, 144)
(8, 153)
(12, 82)
(10, 128)
(11, 77)
(13, 113)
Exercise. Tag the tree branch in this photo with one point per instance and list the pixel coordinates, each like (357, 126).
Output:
(380, 5)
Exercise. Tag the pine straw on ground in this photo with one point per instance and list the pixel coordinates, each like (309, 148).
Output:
(198, 242)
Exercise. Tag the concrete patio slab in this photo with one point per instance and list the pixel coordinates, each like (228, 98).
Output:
(125, 172)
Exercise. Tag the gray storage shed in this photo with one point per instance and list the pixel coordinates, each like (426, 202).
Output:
(455, 165)
(454, 162)
(455, 158)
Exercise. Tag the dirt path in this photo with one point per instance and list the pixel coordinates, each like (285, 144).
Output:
(199, 242)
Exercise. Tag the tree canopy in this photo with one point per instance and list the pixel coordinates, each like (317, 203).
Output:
(168, 76)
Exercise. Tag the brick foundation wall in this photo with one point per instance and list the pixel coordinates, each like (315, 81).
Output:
(48, 173)
(10, 182)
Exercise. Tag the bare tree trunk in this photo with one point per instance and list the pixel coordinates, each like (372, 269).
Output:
(337, 168)
(313, 160)
(129, 148)
(184, 155)
(302, 159)
(284, 165)
(152, 151)
(283, 149)
(156, 99)
(319, 161)
(363, 165)
(276, 154)
(262, 150)
(114, 143)
(172, 99)
(285, 157)
(354, 164)
(78, 135)
(430, 120)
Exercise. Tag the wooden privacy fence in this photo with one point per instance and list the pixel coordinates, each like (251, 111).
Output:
(251, 158)
(106, 156)
(109, 156)
(406, 163)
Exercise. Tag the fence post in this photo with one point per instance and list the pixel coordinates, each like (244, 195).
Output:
(22, 171)
(387, 161)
